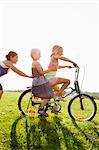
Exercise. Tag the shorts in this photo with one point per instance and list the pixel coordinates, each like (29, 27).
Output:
(1, 88)
(53, 80)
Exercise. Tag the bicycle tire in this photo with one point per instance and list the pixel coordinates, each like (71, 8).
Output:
(91, 99)
(20, 101)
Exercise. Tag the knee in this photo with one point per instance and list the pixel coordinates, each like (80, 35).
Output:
(67, 81)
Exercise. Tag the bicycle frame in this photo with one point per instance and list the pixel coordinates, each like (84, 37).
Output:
(76, 88)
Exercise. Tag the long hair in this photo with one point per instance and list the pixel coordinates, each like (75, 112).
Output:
(55, 49)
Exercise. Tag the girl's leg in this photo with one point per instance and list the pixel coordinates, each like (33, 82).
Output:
(44, 103)
(52, 82)
(56, 88)
(63, 87)
(65, 82)
(1, 92)
(41, 110)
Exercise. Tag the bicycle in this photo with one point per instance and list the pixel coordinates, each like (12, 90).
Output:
(81, 105)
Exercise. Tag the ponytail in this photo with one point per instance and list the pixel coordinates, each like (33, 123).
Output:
(10, 54)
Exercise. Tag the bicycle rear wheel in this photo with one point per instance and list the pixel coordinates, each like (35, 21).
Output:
(82, 108)
(25, 103)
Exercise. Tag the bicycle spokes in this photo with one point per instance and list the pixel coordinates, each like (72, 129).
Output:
(82, 108)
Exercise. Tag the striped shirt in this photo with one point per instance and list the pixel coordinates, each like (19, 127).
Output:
(51, 74)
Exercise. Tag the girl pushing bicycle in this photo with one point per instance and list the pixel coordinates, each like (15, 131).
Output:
(6, 65)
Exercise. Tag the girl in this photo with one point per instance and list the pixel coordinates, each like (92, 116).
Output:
(56, 55)
(40, 85)
(7, 64)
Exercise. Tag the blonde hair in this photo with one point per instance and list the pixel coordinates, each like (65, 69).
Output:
(55, 49)
(33, 52)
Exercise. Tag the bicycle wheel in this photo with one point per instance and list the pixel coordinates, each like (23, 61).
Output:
(82, 108)
(25, 103)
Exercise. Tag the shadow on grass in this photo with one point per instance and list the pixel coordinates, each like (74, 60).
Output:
(71, 142)
(43, 135)
(14, 143)
(93, 138)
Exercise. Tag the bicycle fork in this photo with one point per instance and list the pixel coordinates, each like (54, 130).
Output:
(76, 84)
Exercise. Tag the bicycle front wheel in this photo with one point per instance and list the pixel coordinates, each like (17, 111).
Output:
(82, 108)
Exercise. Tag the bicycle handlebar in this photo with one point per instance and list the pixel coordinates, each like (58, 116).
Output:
(76, 71)
(75, 65)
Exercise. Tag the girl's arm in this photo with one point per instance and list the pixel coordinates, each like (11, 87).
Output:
(60, 67)
(66, 59)
(40, 70)
(19, 72)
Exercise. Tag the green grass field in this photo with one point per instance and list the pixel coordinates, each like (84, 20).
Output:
(56, 132)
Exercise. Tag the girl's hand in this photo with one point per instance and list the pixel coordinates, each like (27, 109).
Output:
(30, 76)
(53, 69)
(69, 67)
(75, 65)
(60, 67)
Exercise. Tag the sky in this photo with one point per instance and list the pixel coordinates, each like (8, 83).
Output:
(71, 24)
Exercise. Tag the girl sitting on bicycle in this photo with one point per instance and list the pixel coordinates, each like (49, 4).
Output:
(57, 52)
(40, 85)
(7, 64)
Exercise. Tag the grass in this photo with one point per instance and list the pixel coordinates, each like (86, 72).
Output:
(57, 132)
